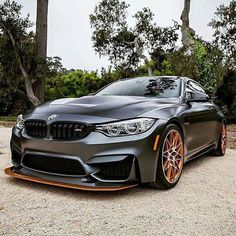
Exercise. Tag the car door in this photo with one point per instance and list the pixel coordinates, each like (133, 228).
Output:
(200, 121)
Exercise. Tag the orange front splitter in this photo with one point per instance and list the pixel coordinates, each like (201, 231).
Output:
(9, 172)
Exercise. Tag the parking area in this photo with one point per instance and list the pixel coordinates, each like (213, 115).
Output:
(203, 203)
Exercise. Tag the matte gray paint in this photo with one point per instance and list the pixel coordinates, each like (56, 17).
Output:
(200, 122)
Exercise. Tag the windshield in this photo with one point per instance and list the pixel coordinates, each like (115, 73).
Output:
(160, 87)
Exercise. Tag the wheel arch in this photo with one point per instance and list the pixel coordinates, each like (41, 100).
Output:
(178, 123)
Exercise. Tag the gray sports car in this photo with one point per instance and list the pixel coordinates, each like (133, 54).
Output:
(133, 131)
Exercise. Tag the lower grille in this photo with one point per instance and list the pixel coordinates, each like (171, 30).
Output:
(36, 128)
(116, 170)
(53, 164)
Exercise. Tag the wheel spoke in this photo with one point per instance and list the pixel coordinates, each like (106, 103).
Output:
(175, 140)
(165, 155)
(172, 156)
(168, 143)
(177, 166)
(178, 154)
(178, 147)
(165, 165)
(165, 152)
(170, 139)
(168, 173)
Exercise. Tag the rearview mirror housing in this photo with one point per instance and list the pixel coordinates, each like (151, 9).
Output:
(196, 97)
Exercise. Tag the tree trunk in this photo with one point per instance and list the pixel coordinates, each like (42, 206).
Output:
(150, 72)
(41, 45)
(28, 85)
(186, 31)
(141, 55)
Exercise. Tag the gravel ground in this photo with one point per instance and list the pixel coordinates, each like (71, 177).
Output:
(203, 203)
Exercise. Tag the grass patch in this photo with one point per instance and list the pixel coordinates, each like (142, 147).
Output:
(8, 118)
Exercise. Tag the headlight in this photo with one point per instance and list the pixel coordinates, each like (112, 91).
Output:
(20, 122)
(128, 127)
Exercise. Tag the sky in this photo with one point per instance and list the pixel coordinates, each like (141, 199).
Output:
(69, 31)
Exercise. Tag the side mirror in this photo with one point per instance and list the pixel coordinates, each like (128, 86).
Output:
(196, 97)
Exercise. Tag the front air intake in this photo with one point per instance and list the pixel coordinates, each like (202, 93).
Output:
(53, 164)
(115, 170)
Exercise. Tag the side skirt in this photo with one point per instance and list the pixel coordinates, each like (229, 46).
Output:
(201, 152)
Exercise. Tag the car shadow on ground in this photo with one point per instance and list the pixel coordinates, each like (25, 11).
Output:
(194, 163)
(79, 194)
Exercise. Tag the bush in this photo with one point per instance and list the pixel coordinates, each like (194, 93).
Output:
(200, 67)
(74, 84)
(226, 95)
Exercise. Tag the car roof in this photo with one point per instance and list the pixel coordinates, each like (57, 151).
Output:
(162, 76)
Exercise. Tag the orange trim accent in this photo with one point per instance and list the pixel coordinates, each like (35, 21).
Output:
(156, 142)
(9, 172)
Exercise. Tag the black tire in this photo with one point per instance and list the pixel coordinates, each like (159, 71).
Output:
(220, 151)
(161, 180)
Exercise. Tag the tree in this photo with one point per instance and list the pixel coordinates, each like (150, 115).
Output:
(41, 45)
(126, 46)
(13, 31)
(226, 95)
(19, 61)
(225, 32)
(186, 30)
(73, 84)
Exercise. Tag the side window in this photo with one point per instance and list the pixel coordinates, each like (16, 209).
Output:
(193, 87)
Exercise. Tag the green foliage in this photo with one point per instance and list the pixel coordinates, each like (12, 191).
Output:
(225, 32)
(12, 93)
(11, 18)
(205, 67)
(206, 63)
(73, 84)
(13, 99)
(200, 64)
(125, 45)
(8, 118)
(12, 22)
(226, 94)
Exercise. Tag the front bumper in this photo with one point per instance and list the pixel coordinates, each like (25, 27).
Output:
(97, 154)
(65, 182)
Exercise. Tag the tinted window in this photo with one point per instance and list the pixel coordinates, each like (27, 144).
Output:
(192, 87)
(149, 87)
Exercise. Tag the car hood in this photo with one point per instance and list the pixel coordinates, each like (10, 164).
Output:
(98, 109)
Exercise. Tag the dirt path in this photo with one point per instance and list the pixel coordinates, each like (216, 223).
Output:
(203, 203)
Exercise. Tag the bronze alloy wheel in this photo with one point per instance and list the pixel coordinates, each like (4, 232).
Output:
(172, 156)
(223, 138)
